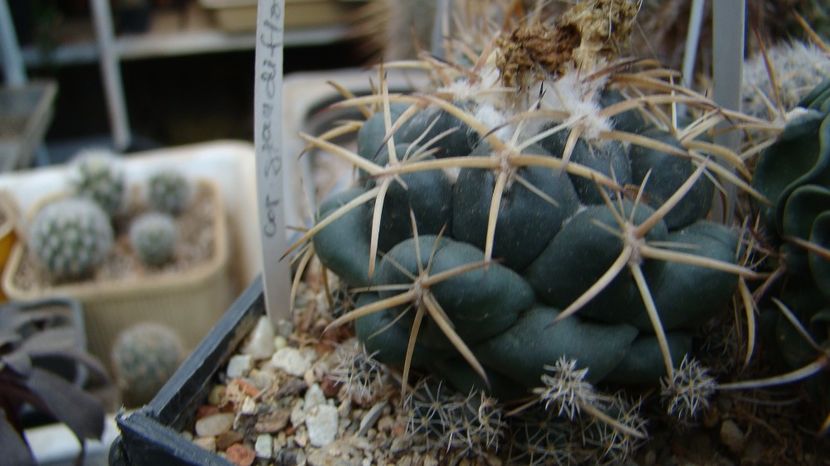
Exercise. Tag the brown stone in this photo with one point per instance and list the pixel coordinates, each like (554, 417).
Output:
(246, 387)
(273, 422)
(324, 347)
(240, 455)
(206, 410)
(330, 387)
(399, 428)
(226, 439)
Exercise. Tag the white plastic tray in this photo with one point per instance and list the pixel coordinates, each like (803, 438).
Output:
(228, 163)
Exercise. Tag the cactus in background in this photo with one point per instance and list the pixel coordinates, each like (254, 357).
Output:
(98, 175)
(153, 237)
(71, 237)
(797, 68)
(168, 192)
(144, 357)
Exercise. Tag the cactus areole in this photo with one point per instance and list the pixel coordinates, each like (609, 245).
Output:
(534, 207)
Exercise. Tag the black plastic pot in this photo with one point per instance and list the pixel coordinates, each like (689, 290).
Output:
(150, 435)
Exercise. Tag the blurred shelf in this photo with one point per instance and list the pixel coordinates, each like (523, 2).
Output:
(171, 34)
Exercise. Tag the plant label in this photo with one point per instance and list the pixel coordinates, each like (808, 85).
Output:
(268, 138)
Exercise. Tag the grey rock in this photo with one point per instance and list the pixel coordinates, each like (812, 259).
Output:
(260, 345)
(321, 423)
(239, 365)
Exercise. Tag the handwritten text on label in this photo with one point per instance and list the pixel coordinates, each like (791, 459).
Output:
(270, 39)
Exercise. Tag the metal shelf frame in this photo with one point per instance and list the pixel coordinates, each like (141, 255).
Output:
(109, 50)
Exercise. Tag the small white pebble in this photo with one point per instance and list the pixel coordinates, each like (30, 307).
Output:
(309, 378)
(264, 446)
(322, 425)
(314, 396)
(280, 342)
(297, 413)
(248, 406)
(213, 425)
(239, 365)
(301, 438)
(261, 343)
(291, 361)
(207, 443)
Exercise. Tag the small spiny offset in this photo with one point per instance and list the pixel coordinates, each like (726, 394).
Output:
(452, 425)
(361, 377)
(70, 237)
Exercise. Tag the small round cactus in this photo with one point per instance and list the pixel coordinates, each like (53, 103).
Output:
(153, 237)
(798, 69)
(71, 237)
(99, 176)
(144, 357)
(169, 192)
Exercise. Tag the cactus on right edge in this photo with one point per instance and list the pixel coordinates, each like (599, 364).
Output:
(71, 237)
(153, 237)
(144, 357)
(168, 192)
(794, 174)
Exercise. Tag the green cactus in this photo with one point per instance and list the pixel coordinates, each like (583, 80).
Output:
(71, 237)
(144, 357)
(168, 192)
(570, 221)
(153, 237)
(98, 175)
(794, 174)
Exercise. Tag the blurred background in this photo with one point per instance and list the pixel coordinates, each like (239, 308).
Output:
(185, 67)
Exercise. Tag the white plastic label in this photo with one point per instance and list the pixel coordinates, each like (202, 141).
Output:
(269, 154)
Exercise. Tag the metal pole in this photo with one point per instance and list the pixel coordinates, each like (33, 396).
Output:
(440, 25)
(729, 24)
(692, 42)
(13, 68)
(111, 74)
